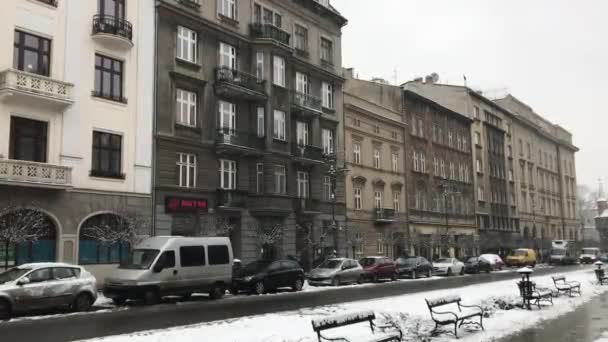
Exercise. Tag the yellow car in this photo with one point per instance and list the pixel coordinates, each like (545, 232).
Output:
(522, 257)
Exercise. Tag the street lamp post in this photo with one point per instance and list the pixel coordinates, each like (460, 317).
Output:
(447, 190)
(333, 171)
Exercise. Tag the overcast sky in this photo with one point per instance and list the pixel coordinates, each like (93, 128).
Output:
(551, 54)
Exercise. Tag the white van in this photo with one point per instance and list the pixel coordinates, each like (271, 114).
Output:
(172, 265)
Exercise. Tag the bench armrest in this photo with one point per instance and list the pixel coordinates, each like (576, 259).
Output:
(473, 306)
(444, 313)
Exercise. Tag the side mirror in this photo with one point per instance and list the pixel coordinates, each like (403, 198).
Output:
(23, 281)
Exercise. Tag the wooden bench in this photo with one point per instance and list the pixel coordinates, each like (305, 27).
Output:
(601, 276)
(453, 312)
(336, 321)
(534, 295)
(568, 287)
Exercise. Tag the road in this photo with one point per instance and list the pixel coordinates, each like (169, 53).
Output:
(77, 327)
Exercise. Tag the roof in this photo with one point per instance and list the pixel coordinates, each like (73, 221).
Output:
(432, 103)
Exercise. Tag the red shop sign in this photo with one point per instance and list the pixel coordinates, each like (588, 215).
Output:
(184, 205)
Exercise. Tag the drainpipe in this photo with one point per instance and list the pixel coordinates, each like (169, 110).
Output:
(155, 113)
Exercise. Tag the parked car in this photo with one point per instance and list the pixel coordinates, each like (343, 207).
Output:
(495, 260)
(477, 265)
(335, 272)
(414, 266)
(603, 258)
(261, 276)
(378, 267)
(448, 266)
(46, 286)
(164, 265)
(589, 255)
(522, 257)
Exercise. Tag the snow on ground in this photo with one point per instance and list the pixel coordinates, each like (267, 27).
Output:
(603, 338)
(408, 311)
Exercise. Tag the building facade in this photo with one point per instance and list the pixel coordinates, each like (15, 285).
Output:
(375, 135)
(248, 115)
(75, 121)
(441, 194)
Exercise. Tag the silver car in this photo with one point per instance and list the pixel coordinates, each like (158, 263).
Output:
(44, 286)
(335, 272)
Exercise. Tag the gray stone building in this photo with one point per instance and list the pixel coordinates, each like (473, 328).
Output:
(249, 107)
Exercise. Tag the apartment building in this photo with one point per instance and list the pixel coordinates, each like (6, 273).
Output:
(375, 135)
(440, 179)
(545, 175)
(248, 115)
(76, 121)
(491, 137)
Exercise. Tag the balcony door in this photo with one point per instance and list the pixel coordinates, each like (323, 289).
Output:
(115, 8)
(302, 85)
(28, 140)
(302, 133)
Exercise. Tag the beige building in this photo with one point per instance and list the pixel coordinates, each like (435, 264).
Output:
(375, 139)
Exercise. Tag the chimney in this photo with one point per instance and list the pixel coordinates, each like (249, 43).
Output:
(349, 73)
(429, 79)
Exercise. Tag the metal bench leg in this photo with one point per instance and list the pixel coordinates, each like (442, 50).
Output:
(481, 321)
(456, 329)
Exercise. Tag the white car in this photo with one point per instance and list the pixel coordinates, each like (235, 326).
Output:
(448, 266)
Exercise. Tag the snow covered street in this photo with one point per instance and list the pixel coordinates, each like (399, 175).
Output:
(410, 312)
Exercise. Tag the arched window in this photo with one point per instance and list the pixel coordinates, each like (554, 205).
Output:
(43, 249)
(94, 232)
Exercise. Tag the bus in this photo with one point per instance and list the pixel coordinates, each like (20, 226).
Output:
(563, 252)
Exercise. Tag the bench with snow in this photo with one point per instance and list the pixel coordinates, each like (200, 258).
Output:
(453, 312)
(534, 295)
(321, 324)
(601, 276)
(568, 287)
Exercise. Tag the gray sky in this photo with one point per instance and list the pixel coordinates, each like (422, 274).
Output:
(551, 54)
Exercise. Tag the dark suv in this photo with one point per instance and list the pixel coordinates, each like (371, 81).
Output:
(414, 266)
(265, 275)
(375, 268)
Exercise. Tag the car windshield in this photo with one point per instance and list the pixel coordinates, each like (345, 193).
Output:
(558, 252)
(367, 261)
(256, 267)
(443, 261)
(331, 264)
(406, 261)
(472, 260)
(592, 251)
(140, 259)
(13, 274)
(519, 252)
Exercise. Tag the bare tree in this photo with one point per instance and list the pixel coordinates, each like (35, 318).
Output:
(269, 235)
(19, 225)
(221, 225)
(121, 226)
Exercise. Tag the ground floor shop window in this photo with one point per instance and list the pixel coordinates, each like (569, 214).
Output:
(93, 250)
(40, 249)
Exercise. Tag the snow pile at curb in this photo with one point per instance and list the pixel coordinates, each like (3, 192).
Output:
(500, 300)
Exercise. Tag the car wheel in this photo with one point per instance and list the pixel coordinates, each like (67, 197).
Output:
(450, 273)
(151, 297)
(335, 281)
(234, 290)
(217, 292)
(429, 274)
(374, 278)
(298, 284)
(83, 302)
(258, 288)
(5, 310)
(462, 271)
(394, 276)
(361, 279)
(414, 275)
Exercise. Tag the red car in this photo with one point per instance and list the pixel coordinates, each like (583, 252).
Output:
(376, 268)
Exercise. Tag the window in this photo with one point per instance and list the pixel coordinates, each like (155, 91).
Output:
(466, 174)
(227, 174)
(280, 180)
(300, 38)
(108, 78)
(260, 122)
(227, 117)
(480, 194)
(397, 201)
(420, 128)
(114, 8)
(435, 166)
(218, 255)
(192, 256)
(32, 53)
(187, 44)
(394, 135)
(168, 259)
(302, 133)
(509, 151)
(328, 141)
(302, 85)
(450, 139)
(303, 184)
(228, 8)
(259, 65)
(478, 166)
(442, 168)
(452, 171)
(458, 142)
(28, 140)
(529, 150)
(107, 155)
(380, 244)
(327, 51)
(395, 162)
(40, 275)
(357, 192)
(357, 153)
(376, 129)
(227, 56)
(422, 162)
(278, 77)
(376, 158)
(186, 170)
(259, 178)
(416, 160)
(510, 175)
(186, 107)
(357, 122)
(378, 199)
(279, 125)
(60, 273)
(476, 112)
(328, 95)
(328, 188)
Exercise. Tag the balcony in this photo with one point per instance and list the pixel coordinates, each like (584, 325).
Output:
(112, 31)
(23, 87)
(232, 83)
(307, 206)
(307, 154)
(227, 199)
(32, 174)
(237, 143)
(305, 105)
(383, 215)
(270, 32)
